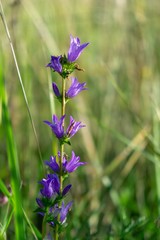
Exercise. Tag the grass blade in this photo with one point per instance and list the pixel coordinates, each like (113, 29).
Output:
(14, 169)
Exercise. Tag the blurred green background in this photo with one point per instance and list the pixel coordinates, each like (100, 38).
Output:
(117, 195)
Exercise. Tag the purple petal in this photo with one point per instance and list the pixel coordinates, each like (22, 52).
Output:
(55, 89)
(66, 189)
(48, 123)
(47, 190)
(55, 182)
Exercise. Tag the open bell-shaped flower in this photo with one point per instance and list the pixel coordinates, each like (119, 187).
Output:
(75, 49)
(55, 64)
(73, 163)
(51, 185)
(73, 127)
(75, 88)
(68, 165)
(57, 126)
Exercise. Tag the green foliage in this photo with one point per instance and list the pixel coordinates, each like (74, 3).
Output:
(117, 197)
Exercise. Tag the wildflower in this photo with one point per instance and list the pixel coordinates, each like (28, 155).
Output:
(73, 164)
(53, 164)
(55, 64)
(63, 211)
(51, 196)
(73, 127)
(51, 189)
(51, 186)
(75, 48)
(75, 88)
(57, 126)
(68, 165)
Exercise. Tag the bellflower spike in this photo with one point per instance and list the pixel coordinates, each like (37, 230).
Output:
(75, 49)
(73, 164)
(73, 127)
(55, 64)
(57, 126)
(75, 88)
(51, 185)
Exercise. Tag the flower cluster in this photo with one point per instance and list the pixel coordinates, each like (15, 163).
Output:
(57, 127)
(66, 65)
(51, 200)
(74, 89)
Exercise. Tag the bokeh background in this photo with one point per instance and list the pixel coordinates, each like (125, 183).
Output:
(116, 196)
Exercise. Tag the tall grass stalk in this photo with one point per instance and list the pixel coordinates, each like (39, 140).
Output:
(20, 78)
(14, 170)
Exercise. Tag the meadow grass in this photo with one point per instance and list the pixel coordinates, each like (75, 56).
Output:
(117, 195)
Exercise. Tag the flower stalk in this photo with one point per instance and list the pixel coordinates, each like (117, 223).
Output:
(62, 145)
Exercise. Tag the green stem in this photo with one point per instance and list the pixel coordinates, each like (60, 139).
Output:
(62, 145)
(63, 96)
(44, 227)
(56, 234)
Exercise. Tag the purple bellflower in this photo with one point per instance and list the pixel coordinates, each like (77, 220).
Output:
(53, 164)
(54, 209)
(55, 64)
(73, 127)
(57, 126)
(51, 185)
(51, 189)
(75, 88)
(68, 165)
(75, 49)
(58, 129)
(63, 211)
(73, 164)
